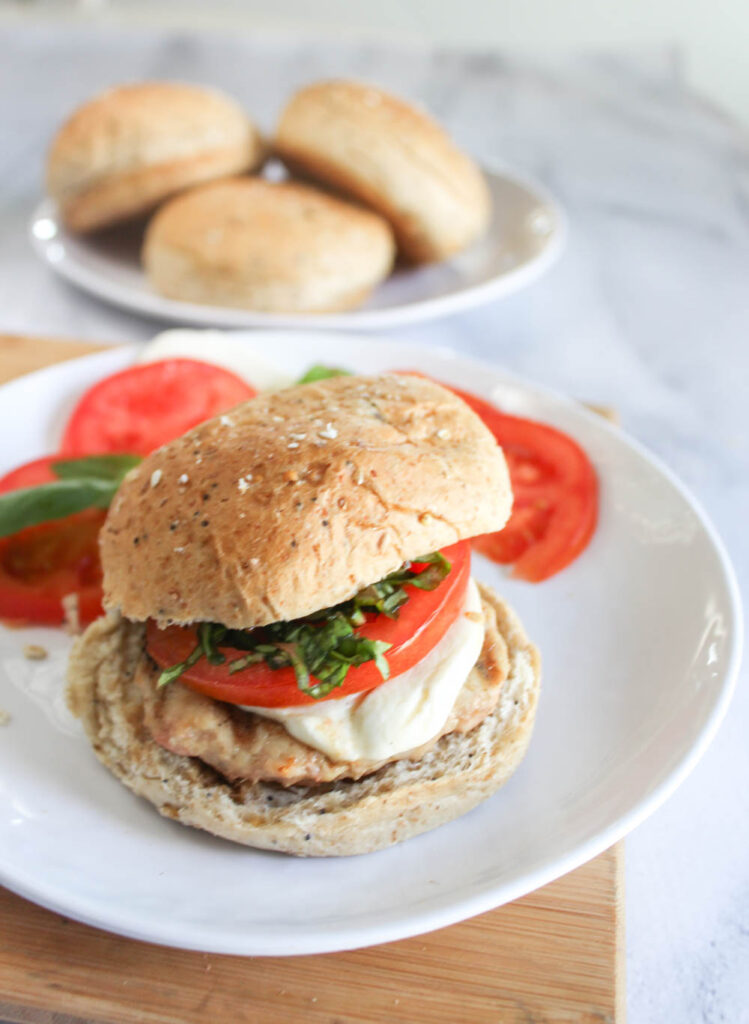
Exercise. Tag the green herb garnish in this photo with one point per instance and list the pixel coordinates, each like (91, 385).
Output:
(320, 372)
(99, 467)
(322, 647)
(83, 483)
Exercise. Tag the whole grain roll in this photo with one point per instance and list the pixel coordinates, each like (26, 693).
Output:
(267, 246)
(297, 499)
(123, 152)
(391, 156)
(402, 799)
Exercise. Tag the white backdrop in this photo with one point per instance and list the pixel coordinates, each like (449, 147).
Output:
(709, 39)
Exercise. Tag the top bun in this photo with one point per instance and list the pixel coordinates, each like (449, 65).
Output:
(124, 151)
(393, 157)
(297, 499)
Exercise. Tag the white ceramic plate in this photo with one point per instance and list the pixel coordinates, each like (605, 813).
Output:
(640, 641)
(526, 236)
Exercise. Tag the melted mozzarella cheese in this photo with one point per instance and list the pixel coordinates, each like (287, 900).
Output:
(218, 348)
(402, 713)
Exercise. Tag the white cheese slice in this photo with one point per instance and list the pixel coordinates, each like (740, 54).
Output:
(403, 712)
(218, 348)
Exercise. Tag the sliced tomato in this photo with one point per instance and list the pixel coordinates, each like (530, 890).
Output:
(555, 489)
(555, 494)
(41, 565)
(30, 474)
(422, 622)
(143, 407)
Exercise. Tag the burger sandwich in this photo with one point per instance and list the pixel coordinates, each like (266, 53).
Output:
(295, 655)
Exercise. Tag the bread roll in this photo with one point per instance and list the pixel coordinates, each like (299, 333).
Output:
(391, 156)
(267, 246)
(123, 152)
(297, 499)
(401, 800)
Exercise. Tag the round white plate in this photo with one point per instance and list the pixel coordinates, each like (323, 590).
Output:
(640, 640)
(526, 235)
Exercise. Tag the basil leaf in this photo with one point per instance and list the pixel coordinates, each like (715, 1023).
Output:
(321, 372)
(33, 505)
(241, 663)
(99, 467)
(209, 636)
(89, 482)
(298, 664)
(175, 671)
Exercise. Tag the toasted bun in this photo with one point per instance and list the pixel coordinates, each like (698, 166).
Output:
(400, 800)
(276, 247)
(298, 499)
(391, 156)
(124, 151)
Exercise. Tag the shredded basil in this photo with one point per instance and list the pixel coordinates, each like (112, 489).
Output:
(321, 648)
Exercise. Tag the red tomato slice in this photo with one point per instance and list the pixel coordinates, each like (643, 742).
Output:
(555, 490)
(42, 564)
(30, 474)
(143, 407)
(422, 622)
(555, 507)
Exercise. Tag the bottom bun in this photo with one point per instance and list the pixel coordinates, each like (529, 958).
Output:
(341, 818)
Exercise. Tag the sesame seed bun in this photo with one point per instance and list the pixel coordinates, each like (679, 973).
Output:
(297, 499)
(270, 246)
(391, 156)
(123, 152)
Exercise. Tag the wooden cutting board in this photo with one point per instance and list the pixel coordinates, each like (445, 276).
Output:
(554, 957)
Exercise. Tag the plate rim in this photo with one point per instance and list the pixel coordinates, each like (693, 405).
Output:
(446, 911)
(226, 318)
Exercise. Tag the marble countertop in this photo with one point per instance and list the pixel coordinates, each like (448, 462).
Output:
(648, 311)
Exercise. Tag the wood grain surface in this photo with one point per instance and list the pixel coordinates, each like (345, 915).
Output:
(554, 957)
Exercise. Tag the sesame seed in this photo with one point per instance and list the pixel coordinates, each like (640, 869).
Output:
(225, 421)
(35, 652)
(297, 437)
(277, 419)
(443, 434)
(179, 550)
(293, 444)
(242, 485)
(155, 477)
(329, 432)
(184, 478)
(254, 561)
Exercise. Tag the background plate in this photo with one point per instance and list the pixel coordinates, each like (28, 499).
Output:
(526, 236)
(640, 640)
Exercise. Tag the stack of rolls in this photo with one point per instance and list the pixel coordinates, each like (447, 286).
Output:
(380, 180)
